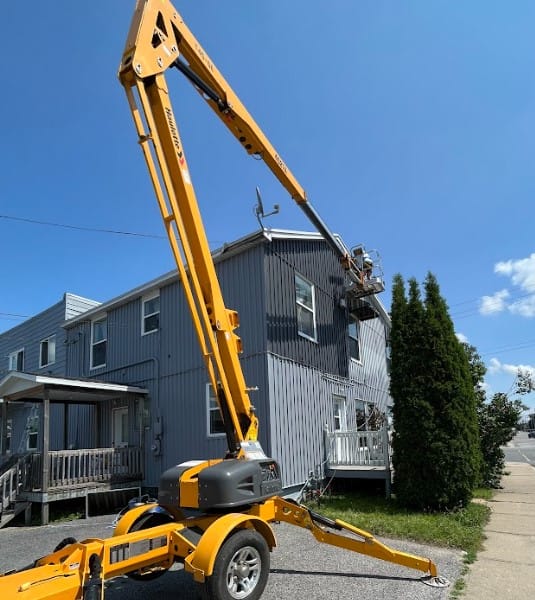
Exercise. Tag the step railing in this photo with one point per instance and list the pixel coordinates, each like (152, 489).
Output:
(12, 481)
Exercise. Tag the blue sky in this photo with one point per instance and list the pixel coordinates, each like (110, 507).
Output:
(410, 125)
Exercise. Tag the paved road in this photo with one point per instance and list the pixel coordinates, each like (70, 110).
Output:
(301, 569)
(521, 449)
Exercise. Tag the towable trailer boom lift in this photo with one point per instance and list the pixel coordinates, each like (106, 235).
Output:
(213, 516)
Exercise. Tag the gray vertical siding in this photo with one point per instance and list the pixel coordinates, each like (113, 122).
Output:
(30, 333)
(371, 373)
(315, 261)
(301, 405)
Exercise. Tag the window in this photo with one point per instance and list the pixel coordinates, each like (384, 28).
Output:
(306, 310)
(215, 420)
(99, 338)
(360, 414)
(339, 413)
(47, 355)
(32, 429)
(16, 360)
(353, 336)
(8, 432)
(150, 315)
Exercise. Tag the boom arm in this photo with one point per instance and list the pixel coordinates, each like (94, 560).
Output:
(158, 40)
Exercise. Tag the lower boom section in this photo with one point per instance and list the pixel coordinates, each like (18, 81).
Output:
(148, 539)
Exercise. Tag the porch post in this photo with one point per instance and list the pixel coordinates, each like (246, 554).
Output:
(66, 426)
(45, 456)
(4, 428)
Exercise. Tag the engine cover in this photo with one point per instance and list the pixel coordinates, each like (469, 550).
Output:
(228, 484)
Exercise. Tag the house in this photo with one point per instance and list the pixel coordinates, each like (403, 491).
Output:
(315, 356)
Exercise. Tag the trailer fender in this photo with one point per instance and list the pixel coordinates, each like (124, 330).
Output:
(127, 520)
(201, 562)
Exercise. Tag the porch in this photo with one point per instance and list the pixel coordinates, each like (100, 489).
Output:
(107, 462)
(358, 455)
(69, 474)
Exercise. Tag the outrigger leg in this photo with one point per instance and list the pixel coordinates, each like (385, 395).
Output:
(363, 542)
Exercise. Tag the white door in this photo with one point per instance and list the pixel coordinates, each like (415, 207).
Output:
(120, 427)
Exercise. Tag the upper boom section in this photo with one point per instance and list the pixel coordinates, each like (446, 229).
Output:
(159, 39)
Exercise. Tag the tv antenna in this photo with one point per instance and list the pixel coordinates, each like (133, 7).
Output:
(259, 209)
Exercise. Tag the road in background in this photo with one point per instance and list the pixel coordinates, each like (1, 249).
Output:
(521, 449)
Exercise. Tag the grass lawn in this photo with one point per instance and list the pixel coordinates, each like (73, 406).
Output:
(462, 529)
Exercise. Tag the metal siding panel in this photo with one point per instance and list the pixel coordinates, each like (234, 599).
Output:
(29, 334)
(371, 375)
(76, 305)
(315, 261)
(301, 405)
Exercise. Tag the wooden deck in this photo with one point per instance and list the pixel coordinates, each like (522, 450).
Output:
(358, 455)
(71, 474)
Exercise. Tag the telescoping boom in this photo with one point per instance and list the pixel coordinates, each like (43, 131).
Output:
(213, 516)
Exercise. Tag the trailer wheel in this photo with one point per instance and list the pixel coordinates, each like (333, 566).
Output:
(241, 568)
(145, 522)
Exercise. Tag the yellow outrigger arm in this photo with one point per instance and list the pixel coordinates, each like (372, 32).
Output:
(80, 569)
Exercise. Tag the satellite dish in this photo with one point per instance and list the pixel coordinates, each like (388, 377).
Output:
(259, 209)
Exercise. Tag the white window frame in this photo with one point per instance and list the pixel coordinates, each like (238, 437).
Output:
(211, 406)
(33, 432)
(51, 356)
(354, 321)
(339, 403)
(144, 316)
(13, 358)
(104, 340)
(303, 306)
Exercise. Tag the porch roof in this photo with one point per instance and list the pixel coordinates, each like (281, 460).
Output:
(29, 386)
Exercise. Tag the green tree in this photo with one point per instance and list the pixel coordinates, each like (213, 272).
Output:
(497, 418)
(435, 443)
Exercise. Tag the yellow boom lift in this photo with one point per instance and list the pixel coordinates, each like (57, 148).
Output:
(213, 516)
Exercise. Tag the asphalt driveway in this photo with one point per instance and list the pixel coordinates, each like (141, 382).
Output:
(301, 568)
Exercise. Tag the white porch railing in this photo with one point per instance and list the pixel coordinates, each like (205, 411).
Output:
(357, 448)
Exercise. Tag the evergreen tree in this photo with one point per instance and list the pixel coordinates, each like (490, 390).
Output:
(455, 450)
(435, 441)
(410, 440)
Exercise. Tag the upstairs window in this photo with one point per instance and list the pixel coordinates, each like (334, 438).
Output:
(215, 420)
(99, 341)
(47, 354)
(353, 337)
(16, 360)
(150, 315)
(306, 308)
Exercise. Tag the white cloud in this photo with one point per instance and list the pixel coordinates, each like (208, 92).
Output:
(495, 366)
(524, 307)
(494, 304)
(462, 338)
(521, 273)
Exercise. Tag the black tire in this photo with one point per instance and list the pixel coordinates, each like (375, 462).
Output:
(241, 568)
(146, 522)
